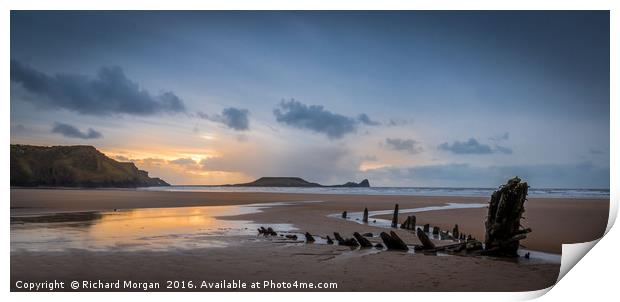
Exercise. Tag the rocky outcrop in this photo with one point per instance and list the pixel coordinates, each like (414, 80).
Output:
(295, 182)
(73, 166)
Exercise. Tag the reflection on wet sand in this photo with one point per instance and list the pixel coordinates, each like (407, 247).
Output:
(136, 229)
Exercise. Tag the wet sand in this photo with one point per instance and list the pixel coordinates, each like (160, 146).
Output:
(554, 221)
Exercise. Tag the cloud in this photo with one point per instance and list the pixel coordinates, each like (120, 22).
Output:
(472, 146)
(18, 128)
(370, 158)
(500, 137)
(407, 145)
(109, 92)
(71, 131)
(364, 119)
(233, 118)
(399, 122)
(502, 149)
(580, 175)
(121, 158)
(317, 119)
(183, 161)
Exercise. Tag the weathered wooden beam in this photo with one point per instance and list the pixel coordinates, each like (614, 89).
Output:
(393, 242)
(409, 223)
(339, 238)
(455, 231)
(362, 240)
(395, 217)
(506, 209)
(309, 238)
(426, 242)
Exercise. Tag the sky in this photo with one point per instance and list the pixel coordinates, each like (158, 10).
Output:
(426, 98)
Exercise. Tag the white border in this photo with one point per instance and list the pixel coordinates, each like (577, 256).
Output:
(594, 278)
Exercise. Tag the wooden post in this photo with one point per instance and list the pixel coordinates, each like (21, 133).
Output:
(365, 219)
(344, 215)
(503, 222)
(455, 231)
(395, 217)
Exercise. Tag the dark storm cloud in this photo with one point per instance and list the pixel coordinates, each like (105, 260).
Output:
(317, 119)
(233, 118)
(73, 132)
(109, 92)
(406, 145)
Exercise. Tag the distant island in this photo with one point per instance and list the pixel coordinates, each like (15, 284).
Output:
(295, 182)
(74, 166)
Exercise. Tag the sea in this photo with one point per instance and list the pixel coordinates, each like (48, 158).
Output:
(407, 191)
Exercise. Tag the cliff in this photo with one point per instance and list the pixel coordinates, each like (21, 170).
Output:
(74, 166)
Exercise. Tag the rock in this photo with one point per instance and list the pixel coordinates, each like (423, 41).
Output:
(309, 238)
(527, 255)
(427, 228)
(379, 246)
(344, 215)
(329, 240)
(293, 237)
(367, 235)
(395, 217)
(435, 230)
(365, 218)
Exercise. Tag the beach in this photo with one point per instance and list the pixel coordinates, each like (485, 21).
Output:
(251, 258)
